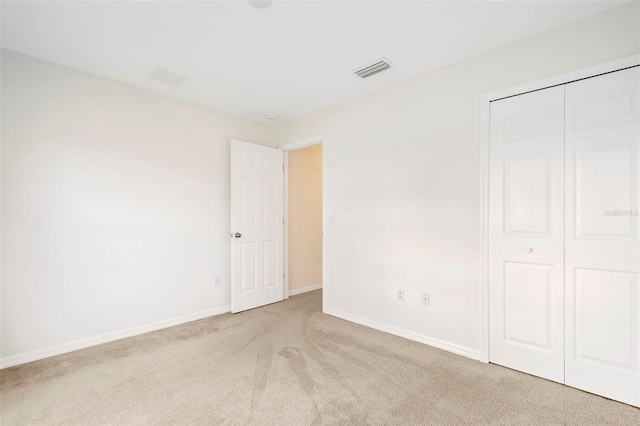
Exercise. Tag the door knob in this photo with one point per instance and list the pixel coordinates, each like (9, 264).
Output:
(237, 235)
(529, 250)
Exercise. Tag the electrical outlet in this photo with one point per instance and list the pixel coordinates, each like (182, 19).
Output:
(216, 281)
(400, 295)
(426, 299)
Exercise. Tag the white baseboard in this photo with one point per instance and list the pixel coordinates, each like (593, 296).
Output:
(62, 348)
(436, 343)
(305, 289)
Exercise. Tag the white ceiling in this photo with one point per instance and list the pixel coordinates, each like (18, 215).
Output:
(291, 59)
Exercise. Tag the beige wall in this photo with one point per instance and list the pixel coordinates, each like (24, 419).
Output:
(305, 217)
(402, 173)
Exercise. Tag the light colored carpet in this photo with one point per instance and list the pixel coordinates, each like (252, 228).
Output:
(287, 364)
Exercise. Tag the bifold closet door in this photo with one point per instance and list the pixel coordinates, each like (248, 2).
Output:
(602, 235)
(526, 271)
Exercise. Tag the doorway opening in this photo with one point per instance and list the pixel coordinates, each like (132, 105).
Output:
(303, 212)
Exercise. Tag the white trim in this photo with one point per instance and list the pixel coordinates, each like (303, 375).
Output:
(297, 291)
(303, 143)
(485, 100)
(285, 179)
(592, 71)
(436, 343)
(75, 345)
(484, 230)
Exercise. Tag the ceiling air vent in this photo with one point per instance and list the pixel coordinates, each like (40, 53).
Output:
(167, 77)
(373, 68)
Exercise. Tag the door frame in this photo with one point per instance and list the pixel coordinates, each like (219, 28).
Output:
(485, 100)
(304, 143)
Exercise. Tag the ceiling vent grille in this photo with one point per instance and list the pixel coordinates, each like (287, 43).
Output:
(167, 77)
(376, 67)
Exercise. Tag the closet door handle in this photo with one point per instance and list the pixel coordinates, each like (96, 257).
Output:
(529, 250)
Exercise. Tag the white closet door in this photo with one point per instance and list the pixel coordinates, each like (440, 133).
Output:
(602, 245)
(526, 272)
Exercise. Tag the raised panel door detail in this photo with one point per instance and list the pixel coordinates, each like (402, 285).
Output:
(248, 161)
(602, 251)
(594, 113)
(528, 198)
(257, 225)
(270, 202)
(249, 256)
(249, 197)
(270, 162)
(270, 265)
(605, 184)
(606, 312)
(527, 304)
(526, 230)
(526, 125)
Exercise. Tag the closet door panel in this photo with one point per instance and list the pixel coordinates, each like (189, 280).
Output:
(526, 274)
(602, 262)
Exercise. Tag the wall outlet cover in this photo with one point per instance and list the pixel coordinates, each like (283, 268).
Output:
(426, 299)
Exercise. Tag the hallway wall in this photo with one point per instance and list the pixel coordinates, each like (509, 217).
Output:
(305, 217)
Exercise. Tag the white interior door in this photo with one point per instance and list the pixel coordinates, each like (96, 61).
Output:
(526, 271)
(257, 226)
(602, 241)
